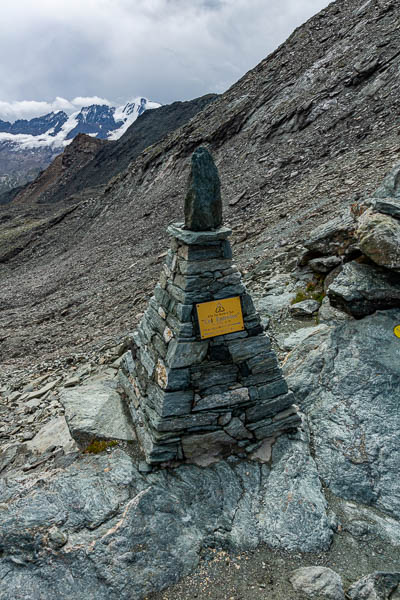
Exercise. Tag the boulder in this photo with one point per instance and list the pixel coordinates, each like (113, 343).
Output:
(361, 289)
(379, 238)
(318, 582)
(390, 187)
(333, 238)
(386, 206)
(347, 381)
(305, 308)
(274, 305)
(53, 433)
(328, 314)
(96, 411)
(324, 264)
(376, 586)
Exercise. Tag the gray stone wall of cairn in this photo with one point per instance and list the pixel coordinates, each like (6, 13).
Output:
(199, 386)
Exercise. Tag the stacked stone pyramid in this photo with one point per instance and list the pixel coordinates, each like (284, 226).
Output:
(189, 392)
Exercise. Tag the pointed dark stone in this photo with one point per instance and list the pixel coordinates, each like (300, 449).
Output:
(203, 205)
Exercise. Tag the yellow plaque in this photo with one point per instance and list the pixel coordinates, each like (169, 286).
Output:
(220, 317)
(396, 331)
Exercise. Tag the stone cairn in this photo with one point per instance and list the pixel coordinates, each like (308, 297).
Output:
(192, 393)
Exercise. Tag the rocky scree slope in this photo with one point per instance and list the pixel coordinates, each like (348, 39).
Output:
(128, 530)
(296, 140)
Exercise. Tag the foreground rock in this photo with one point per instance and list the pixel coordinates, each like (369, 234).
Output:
(361, 289)
(379, 239)
(100, 529)
(377, 586)
(347, 380)
(318, 582)
(96, 411)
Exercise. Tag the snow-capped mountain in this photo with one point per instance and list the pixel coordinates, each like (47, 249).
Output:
(28, 146)
(57, 129)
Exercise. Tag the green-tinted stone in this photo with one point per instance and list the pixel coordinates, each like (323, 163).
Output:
(203, 204)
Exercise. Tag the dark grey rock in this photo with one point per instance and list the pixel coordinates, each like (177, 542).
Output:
(361, 289)
(334, 237)
(179, 423)
(225, 399)
(130, 534)
(270, 390)
(203, 204)
(386, 206)
(347, 381)
(269, 408)
(185, 354)
(199, 267)
(214, 444)
(263, 362)
(270, 427)
(318, 582)
(184, 312)
(204, 252)
(390, 187)
(376, 586)
(324, 264)
(168, 404)
(198, 237)
(243, 349)
(237, 430)
(213, 375)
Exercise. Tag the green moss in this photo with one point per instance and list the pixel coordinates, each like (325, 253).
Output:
(300, 296)
(99, 446)
(313, 291)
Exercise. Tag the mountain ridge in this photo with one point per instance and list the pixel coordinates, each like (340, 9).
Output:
(28, 146)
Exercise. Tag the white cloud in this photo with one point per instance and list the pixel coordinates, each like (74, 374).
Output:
(27, 109)
(162, 49)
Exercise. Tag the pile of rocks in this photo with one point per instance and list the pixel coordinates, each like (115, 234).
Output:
(190, 396)
(358, 254)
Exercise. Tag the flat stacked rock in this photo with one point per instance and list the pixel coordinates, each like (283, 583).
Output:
(189, 394)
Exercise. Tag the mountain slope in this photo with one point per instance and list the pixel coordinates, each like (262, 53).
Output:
(296, 141)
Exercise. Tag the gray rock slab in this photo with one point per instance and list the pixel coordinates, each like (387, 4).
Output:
(328, 314)
(390, 187)
(361, 289)
(185, 354)
(130, 534)
(318, 582)
(324, 264)
(386, 206)
(347, 380)
(288, 342)
(272, 305)
(53, 433)
(95, 411)
(305, 308)
(376, 586)
(333, 237)
(198, 237)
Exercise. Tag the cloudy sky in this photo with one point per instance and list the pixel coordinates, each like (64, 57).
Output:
(60, 54)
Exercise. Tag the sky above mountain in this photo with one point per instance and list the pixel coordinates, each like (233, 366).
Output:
(112, 50)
